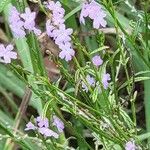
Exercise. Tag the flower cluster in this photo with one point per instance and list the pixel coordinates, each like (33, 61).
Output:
(56, 29)
(94, 11)
(42, 126)
(97, 61)
(19, 22)
(91, 82)
(6, 53)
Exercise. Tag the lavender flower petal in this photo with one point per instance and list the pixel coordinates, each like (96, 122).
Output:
(97, 61)
(89, 9)
(6, 54)
(15, 23)
(90, 80)
(29, 21)
(30, 126)
(58, 123)
(130, 145)
(42, 122)
(105, 79)
(56, 29)
(47, 132)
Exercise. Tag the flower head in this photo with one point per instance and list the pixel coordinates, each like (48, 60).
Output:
(19, 22)
(58, 123)
(57, 12)
(6, 54)
(67, 52)
(105, 79)
(29, 21)
(97, 61)
(30, 126)
(62, 35)
(89, 9)
(42, 126)
(84, 12)
(47, 132)
(14, 15)
(130, 145)
(29, 18)
(90, 80)
(56, 8)
(58, 19)
(42, 122)
(16, 24)
(49, 28)
(56, 29)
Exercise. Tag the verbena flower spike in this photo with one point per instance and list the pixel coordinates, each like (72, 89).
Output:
(56, 29)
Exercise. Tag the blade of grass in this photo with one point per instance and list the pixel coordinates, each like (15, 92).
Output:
(3, 3)
(147, 84)
(9, 99)
(9, 81)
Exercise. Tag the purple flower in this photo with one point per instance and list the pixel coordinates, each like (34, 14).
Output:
(30, 126)
(94, 11)
(6, 54)
(97, 61)
(67, 52)
(90, 80)
(37, 31)
(42, 126)
(62, 35)
(16, 24)
(14, 15)
(49, 28)
(47, 132)
(42, 122)
(19, 22)
(84, 12)
(18, 30)
(130, 145)
(29, 18)
(56, 29)
(56, 8)
(105, 79)
(99, 21)
(58, 123)
(57, 12)
(58, 19)
(29, 21)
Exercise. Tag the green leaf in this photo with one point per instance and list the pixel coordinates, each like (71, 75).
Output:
(95, 94)
(137, 79)
(72, 12)
(99, 49)
(9, 81)
(144, 136)
(3, 3)
(5, 119)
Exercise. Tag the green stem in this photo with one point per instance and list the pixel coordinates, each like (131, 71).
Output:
(147, 83)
